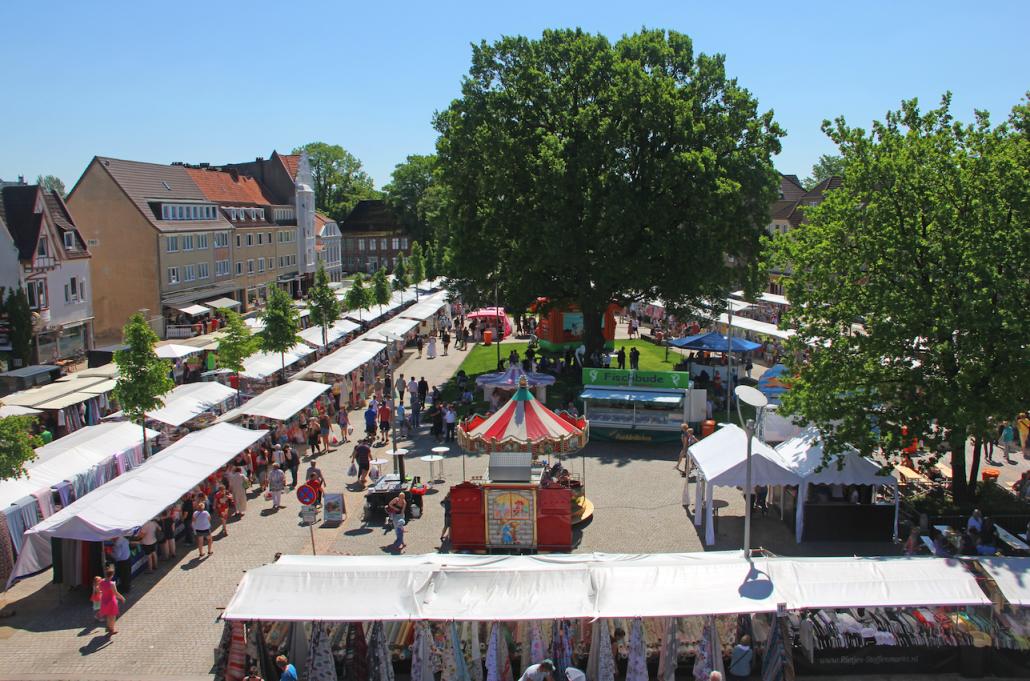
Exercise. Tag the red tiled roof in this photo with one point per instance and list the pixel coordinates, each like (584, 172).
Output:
(291, 161)
(222, 186)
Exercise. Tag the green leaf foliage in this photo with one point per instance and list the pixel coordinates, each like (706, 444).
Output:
(52, 183)
(910, 287)
(19, 316)
(236, 344)
(381, 291)
(143, 377)
(325, 308)
(415, 196)
(401, 278)
(589, 171)
(17, 445)
(827, 166)
(358, 296)
(339, 178)
(417, 263)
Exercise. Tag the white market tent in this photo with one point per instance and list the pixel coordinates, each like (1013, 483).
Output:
(345, 360)
(14, 410)
(175, 351)
(192, 310)
(398, 326)
(189, 401)
(427, 307)
(804, 455)
(280, 402)
(483, 588)
(125, 503)
(219, 303)
(71, 455)
(755, 326)
(721, 461)
(263, 364)
(255, 324)
(74, 384)
(766, 297)
(1010, 574)
(338, 330)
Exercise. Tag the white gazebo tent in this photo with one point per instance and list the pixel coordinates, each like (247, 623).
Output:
(125, 503)
(339, 329)
(175, 351)
(263, 364)
(188, 401)
(720, 460)
(804, 455)
(279, 403)
(345, 360)
(1010, 575)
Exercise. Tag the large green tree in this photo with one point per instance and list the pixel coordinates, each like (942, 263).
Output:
(52, 183)
(17, 445)
(910, 287)
(282, 322)
(401, 277)
(235, 345)
(143, 377)
(358, 296)
(381, 291)
(325, 308)
(339, 178)
(827, 166)
(19, 317)
(415, 195)
(587, 171)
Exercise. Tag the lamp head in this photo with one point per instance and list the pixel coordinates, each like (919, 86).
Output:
(752, 396)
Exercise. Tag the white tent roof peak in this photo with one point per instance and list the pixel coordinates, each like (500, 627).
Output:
(722, 459)
(804, 454)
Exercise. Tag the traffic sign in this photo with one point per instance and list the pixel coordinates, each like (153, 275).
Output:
(307, 495)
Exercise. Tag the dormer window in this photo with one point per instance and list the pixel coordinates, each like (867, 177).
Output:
(41, 248)
(69, 241)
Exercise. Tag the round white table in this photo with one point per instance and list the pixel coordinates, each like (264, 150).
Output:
(432, 459)
(442, 452)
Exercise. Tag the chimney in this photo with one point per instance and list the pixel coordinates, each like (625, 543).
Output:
(259, 159)
(204, 165)
(21, 179)
(235, 174)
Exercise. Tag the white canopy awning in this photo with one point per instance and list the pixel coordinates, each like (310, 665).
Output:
(426, 307)
(75, 453)
(175, 351)
(125, 503)
(33, 397)
(721, 461)
(280, 402)
(264, 364)
(398, 326)
(193, 310)
(803, 454)
(345, 360)
(189, 401)
(755, 326)
(484, 588)
(338, 330)
(219, 303)
(766, 297)
(255, 324)
(14, 410)
(1011, 576)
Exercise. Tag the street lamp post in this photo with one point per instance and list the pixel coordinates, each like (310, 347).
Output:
(398, 455)
(497, 314)
(756, 399)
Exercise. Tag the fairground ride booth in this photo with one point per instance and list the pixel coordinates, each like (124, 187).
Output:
(527, 500)
(640, 406)
(560, 327)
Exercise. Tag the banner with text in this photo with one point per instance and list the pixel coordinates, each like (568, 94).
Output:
(625, 378)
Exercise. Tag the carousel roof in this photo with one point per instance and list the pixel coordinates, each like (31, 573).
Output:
(524, 424)
(512, 377)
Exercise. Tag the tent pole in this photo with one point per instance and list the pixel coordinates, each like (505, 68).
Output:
(729, 358)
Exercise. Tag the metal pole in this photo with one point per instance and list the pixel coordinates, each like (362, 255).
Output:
(497, 340)
(311, 526)
(398, 462)
(729, 359)
(747, 490)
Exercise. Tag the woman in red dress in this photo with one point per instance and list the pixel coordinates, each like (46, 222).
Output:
(223, 500)
(109, 598)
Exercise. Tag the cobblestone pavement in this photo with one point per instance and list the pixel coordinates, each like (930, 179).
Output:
(169, 626)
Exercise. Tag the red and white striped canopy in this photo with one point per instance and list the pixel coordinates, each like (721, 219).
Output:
(523, 424)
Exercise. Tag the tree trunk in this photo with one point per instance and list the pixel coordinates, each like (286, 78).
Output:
(282, 359)
(238, 404)
(593, 336)
(143, 425)
(974, 469)
(959, 486)
(325, 337)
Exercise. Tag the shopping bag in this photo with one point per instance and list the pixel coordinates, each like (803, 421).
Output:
(334, 440)
(353, 470)
(373, 474)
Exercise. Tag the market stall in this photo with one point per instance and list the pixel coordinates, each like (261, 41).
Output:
(640, 406)
(196, 404)
(524, 501)
(334, 334)
(262, 365)
(69, 403)
(720, 460)
(426, 311)
(702, 371)
(280, 403)
(123, 504)
(493, 318)
(846, 498)
(1008, 587)
(351, 365)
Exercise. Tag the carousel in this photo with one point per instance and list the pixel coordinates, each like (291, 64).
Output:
(504, 383)
(527, 499)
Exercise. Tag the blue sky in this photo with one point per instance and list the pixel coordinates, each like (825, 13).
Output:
(222, 80)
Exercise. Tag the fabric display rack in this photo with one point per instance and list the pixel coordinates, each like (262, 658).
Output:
(87, 413)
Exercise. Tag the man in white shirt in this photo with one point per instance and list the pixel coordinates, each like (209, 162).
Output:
(538, 672)
(148, 538)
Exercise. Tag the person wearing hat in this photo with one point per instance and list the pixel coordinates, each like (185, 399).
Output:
(538, 672)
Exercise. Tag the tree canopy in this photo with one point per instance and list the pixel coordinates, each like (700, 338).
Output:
(236, 344)
(926, 245)
(401, 278)
(381, 291)
(143, 377)
(587, 171)
(17, 445)
(325, 308)
(827, 166)
(19, 316)
(417, 263)
(340, 181)
(358, 296)
(282, 322)
(52, 183)
(416, 197)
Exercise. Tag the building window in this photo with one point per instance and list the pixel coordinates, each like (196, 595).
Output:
(260, 238)
(404, 243)
(239, 267)
(221, 268)
(171, 244)
(69, 241)
(269, 237)
(250, 266)
(221, 239)
(37, 295)
(382, 244)
(371, 244)
(250, 239)
(201, 241)
(261, 265)
(173, 275)
(396, 244)
(271, 263)
(189, 273)
(187, 242)
(202, 270)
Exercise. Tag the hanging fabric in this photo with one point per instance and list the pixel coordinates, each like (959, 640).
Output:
(460, 666)
(668, 656)
(265, 664)
(45, 500)
(601, 663)
(498, 664)
(536, 644)
(636, 665)
(709, 651)
(445, 653)
(6, 550)
(476, 655)
(235, 668)
(320, 655)
(422, 654)
(380, 668)
(778, 662)
(357, 653)
(298, 646)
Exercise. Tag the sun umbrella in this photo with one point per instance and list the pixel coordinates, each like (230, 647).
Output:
(321, 666)
(422, 653)
(668, 656)
(380, 668)
(523, 424)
